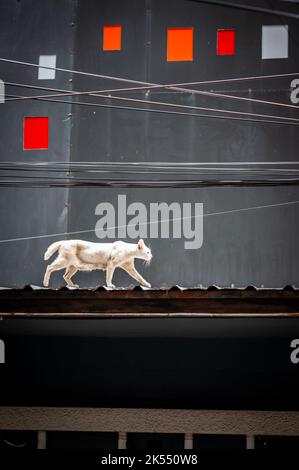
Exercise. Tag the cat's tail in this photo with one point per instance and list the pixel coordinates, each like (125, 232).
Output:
(51, 249)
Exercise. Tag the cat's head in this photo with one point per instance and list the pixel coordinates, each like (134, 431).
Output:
(143, 251)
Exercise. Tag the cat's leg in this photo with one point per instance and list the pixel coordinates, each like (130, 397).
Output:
(109, 275)
(69, 273)
(58, 264)
(47, 276)
(130, 268)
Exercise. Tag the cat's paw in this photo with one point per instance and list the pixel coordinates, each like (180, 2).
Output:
(147, 284)
(46, 283)
(73, 286)
(111, 286)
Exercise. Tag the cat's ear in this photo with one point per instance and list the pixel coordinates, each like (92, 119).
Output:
(140, 244)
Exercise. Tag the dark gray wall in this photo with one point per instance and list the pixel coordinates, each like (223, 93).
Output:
(255, 246)
(27, 30)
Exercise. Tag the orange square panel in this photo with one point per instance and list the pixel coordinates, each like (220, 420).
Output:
(179, 44)
(112, 38)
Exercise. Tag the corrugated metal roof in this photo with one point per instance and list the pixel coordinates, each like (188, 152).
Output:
(140, 302)
(214, 287)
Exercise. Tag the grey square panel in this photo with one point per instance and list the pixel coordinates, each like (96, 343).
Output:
(275, 42)
(46, 61)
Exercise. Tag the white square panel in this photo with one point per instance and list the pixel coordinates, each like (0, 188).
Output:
(2, 91)
(46, 61)
(275, 42)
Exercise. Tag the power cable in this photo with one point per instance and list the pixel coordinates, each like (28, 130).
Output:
(249, 8)
(141, 83)
(159, 111)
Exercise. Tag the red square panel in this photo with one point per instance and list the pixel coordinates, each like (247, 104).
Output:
(226, 42)
(179, 44)
(112, 38)
(36, 133)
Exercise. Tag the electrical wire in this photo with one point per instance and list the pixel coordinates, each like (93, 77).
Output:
(239, 79)
(249, 8)
(149, 169)
(144, 185)
(171, 87)
(12, 444)
(145, 83)
(208, 214)
(58, 182)
(159, 111)
(198, 175)
(161, 182)
(119, 183)
(274, 120)
(146, 165)
(96, 94)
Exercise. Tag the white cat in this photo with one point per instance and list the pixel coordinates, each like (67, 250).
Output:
(79, 255)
